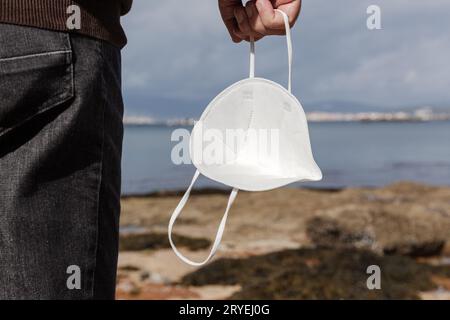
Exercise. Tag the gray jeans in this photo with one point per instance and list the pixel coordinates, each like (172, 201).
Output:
(60, 151)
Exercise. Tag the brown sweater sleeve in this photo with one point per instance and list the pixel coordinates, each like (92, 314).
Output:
(99, 18)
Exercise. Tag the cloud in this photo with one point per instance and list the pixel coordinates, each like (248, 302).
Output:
(179, 54)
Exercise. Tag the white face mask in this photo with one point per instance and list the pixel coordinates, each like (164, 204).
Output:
(262, 132)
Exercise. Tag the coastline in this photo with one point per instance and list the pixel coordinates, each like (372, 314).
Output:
(217, 191)
(426, 114)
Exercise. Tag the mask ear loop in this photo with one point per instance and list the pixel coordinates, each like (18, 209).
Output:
(252, 57)
(289, 48)
(234, 192)
(220, 231)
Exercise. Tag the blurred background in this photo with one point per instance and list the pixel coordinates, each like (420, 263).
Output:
(379, 109)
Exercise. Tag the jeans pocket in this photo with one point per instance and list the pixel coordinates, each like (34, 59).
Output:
(33, 83)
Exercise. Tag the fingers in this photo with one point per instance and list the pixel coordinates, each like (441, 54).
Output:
(269, 17)
(258, 18)
(292, 9)
(272, 20)
(245, 30)
(232, 27)
(226, 8)
(255, 20)
(242, 20)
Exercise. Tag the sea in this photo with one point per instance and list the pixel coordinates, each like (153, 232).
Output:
(350, 154)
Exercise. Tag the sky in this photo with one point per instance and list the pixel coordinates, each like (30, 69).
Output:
(179, 56)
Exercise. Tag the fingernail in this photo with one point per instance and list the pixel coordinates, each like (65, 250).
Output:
(258, 5)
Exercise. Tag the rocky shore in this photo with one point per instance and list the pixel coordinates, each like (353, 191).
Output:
(291, 244)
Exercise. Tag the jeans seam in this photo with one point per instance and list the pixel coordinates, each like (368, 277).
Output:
(35, 55)
(100, 180)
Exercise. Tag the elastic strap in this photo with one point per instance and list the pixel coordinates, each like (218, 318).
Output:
(289, 47)
(220, 231)
(252, 57)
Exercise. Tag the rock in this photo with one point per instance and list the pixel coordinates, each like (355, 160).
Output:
(129, 268)
(412, 230)
(416, 249)
(156, 278)
(347, 228)
(128, 287)
(319, 274)
(153, 240)
(144, 275)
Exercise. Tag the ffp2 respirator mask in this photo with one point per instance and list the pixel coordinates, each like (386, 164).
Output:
(254, 108)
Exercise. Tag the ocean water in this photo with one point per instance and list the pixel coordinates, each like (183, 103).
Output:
(349, 154)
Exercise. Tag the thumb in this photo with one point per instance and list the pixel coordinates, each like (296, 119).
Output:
(269, 17)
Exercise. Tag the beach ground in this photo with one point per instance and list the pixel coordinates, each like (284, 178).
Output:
(290, 244)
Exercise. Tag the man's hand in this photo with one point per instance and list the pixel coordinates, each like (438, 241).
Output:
(258, 18)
